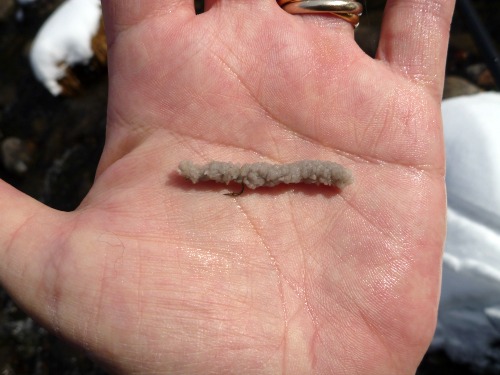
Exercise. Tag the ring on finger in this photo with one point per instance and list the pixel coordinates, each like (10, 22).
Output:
(344, 9)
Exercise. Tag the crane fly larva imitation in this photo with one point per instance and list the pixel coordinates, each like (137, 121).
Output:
(255, 175)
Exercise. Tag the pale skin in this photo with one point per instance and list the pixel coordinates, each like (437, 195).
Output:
(154, 276)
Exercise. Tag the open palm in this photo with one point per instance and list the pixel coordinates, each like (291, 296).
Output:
(154, 275)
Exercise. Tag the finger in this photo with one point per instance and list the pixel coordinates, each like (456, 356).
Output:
(208, 4)
(248, 6)
(27, 226)
(414, 39)
(308, 15)
(121, 14)
(47, 266)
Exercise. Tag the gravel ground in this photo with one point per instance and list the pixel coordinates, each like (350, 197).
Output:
(56, 143)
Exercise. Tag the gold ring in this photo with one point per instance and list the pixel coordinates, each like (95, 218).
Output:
(345, 9)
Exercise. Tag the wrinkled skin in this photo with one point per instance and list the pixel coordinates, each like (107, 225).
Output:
(154, 275)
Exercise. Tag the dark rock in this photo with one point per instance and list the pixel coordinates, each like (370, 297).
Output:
(6, 9)
(16, 154)
(458, 86)
(480, 75)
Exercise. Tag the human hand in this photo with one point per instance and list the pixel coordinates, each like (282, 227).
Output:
(153, 275)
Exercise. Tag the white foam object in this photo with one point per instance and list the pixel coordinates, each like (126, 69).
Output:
(469, 312)
(254, 175)
(64, 40)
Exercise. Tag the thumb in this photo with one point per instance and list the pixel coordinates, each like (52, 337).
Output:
(52, 263)
(27, 230)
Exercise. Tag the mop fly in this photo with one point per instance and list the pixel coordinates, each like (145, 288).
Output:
(255, 175)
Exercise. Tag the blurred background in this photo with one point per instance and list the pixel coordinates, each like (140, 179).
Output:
(52, 128)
